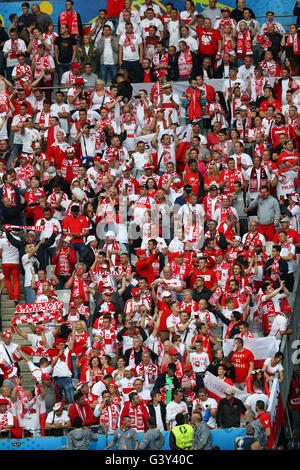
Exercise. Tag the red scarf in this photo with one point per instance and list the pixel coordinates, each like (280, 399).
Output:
(263, 41)
(11, 196)
(227, 44)
(194, 108)
(294, 42)
(244, 132)
(79, 289)
(14, 47)
(131, 358)
(244, 43)
(161, 59)
(40, 64)
(128, 41)
(185, 63)
(71, 20)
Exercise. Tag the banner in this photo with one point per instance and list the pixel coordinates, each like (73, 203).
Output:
(261, 348)
(39, 307)
(218, 387)
(24, 227)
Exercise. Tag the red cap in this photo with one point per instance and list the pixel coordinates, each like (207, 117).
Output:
(187, 366)
(58, 341)
(6, 334)
(75, 65)
(3, 401)
(140, 252)
(104, 107)
(46, 377)
(245, 97)
(97, 345)
(219, 253)
(72, 304)
(172, 352)
(135, 291)
(148, 165)
(258, 243)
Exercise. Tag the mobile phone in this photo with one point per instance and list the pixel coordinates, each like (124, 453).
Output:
(133, 323)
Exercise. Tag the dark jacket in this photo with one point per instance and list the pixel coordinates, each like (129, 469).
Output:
(283, 268)
(12, 215)
(228, 416)
(125, 90)
(219, 73)
(222, 243)
(137, 356)
(235, 330)
(20, 244)
(160, 382)
(17, 196)
(162, 412)
(87, 257)
(176, 68)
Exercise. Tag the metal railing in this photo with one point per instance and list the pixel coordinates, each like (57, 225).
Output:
(286, 347)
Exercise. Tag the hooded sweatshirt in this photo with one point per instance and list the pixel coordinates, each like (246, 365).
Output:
(152, 440)
(79, 439)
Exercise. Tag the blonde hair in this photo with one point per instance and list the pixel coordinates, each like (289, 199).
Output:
(83, 325)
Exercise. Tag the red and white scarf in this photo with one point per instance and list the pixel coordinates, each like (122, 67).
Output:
(185, 63)
(128, 41)
(131, 358)
(244, 43)
(293, 40)
(71, 20)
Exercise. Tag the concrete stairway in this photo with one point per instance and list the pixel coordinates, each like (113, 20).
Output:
(7, 311)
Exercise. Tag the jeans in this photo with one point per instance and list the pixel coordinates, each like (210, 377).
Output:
(75, 370)
(8, 71)
(108, 69)
(65, 385)
(62, 68)
(29, 295)
(49, 253)
(79, 247)
(16, 151)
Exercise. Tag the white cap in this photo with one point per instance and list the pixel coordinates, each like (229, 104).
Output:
(110, 234)
(166, 293)
(237, 237)
(90, 238)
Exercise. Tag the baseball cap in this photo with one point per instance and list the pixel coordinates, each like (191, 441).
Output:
(213, 186)
(166, 294)
(229, 391)
(135, 291)
(58, 406)
(188, 366)
(75, 65)
(172, 352)
(140, 252)
(72, 304)
(285, 219)
(96, 345)
(6, 334)
(237, 237)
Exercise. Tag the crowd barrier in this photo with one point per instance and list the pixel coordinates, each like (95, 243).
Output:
(224, 438)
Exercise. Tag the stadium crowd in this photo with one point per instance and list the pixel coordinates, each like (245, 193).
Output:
(170, 220)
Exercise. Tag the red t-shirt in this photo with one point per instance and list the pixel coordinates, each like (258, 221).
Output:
(208, 40)
(210, 278)
(241, 360)
(292, 237)
(75, 225)
(263, 106)
(166, 313)
(265, 420)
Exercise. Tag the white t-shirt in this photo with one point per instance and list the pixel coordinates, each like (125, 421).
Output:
(159, 422)
(27, 265)
(29, 137)
(7, 47)
(285, 251)
(52, 418)
(270, 369)
(61, 108)
(10, 254)
(211, 402)
(49, 228)
(128, 54)
(174, 30)
(280, 323)
(199, 361)
(254, 397)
